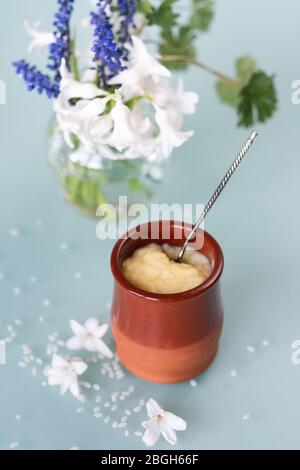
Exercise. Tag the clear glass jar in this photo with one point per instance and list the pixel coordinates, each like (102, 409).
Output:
(90, 180)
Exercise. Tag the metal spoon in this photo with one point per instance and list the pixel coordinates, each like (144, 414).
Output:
(218, 191)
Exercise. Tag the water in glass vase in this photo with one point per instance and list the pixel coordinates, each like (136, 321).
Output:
(88, 179)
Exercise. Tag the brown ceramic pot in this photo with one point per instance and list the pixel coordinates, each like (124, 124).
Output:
(166, 337)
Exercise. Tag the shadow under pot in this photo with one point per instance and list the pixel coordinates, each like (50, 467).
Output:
(166, 338)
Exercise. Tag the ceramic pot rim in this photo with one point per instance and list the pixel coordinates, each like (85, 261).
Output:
(207, 284)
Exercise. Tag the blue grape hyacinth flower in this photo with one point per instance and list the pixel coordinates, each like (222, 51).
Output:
(126, 10)
(105, 47)
(36, 80)
(60, 48)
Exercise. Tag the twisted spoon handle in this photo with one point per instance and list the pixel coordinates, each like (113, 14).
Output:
(218, 191)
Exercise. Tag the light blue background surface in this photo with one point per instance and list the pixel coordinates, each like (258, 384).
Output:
(256, 223)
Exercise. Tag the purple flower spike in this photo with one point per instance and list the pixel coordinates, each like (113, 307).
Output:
(61, 47)
(126, 10)
(36, 80)
(105, 48)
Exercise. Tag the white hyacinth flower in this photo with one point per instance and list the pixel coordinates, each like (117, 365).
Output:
(40, 39)
(66, 374)
(75, 119)
(144, 116)
(170, 135)
(161, 422)
(124, 133)
(184, 101)
(89, 337)
(141, 66)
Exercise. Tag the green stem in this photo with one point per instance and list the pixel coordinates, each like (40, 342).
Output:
(74, 61)
(207, 68)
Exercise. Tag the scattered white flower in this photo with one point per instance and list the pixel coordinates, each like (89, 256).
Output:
(33, 279)
(89, 337)
(46, 302)
(17, 290)
(1, 276)
(78, 275)
(250, 349)
(233, 373)
(66, 374)
(265, 343)
(40, 38)
(161, 422)
(193, 383)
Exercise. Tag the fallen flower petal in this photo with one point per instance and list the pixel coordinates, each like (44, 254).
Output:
(66, 374)
(89, 337)
(161, 422)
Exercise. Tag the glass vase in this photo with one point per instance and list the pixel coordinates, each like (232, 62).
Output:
(88, 180)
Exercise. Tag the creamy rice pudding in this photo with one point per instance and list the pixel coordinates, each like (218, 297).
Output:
(153, 268)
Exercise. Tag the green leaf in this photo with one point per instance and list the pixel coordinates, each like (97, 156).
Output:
(100, 198)
(253, 92)
(134, 185)
(164, 15)
(144, 6)
(245, 67)
(228, 92)
(257, 99)
(134, 101)
(179, 44)
(73, 188)
(202, 14)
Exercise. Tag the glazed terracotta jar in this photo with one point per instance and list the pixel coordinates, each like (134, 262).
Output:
(166, 337)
